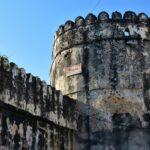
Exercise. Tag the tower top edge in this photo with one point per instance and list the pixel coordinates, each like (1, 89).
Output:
(103, 17)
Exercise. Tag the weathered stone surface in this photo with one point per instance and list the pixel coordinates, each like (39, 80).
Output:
(21, 130)
(90, 19)
(130, 16)
(79, 21)
(33, 115)
(103, 16)
(112, 90)
(116, 16)
(29, 93)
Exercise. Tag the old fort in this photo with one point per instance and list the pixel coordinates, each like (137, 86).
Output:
(99, 92)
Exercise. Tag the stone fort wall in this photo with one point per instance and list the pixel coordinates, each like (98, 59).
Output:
(113, 53)
(33, 115)
(99, 96)
(104, 62)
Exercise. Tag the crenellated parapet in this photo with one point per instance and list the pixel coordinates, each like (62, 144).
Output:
(30, 94)
(102, 27)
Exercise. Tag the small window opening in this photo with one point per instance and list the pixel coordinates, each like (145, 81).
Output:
(126, 32)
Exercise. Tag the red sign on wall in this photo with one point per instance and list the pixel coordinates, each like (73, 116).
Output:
(76, 69)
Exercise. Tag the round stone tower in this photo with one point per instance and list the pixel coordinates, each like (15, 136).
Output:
(99, 60)
(104, 63)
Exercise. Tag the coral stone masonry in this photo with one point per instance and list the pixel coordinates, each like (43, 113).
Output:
(99, 96)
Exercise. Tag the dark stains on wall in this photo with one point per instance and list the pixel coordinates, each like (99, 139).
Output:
(146, 78)
(22, 130)
(113, 66)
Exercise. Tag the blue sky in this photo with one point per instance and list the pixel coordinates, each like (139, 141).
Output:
(27, 27)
